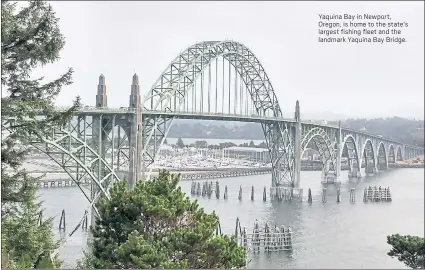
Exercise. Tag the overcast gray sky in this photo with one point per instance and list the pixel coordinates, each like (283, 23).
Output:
(371, 80)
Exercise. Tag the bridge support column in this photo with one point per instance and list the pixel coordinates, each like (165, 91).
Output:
(98, 142)
(297, 147)
(338, 153)
(371, 169)
(135, 164)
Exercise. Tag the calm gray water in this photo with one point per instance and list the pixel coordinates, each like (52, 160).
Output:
(326, 235)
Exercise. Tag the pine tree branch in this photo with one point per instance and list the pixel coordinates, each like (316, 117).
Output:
(19, 41)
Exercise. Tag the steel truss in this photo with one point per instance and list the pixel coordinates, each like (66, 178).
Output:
(80, 148)
(169, 92)
(325, 145)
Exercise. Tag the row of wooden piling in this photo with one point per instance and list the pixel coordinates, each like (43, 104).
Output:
(264, 238)
(276, 193)
(208, 188)
(352, 196)
(377, 194)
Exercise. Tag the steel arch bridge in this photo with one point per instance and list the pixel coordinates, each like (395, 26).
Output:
(213, 80)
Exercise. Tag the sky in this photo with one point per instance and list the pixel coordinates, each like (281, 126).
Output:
(118, 39)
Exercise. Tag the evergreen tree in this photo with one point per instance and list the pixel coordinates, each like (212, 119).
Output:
(179, 143)
(155, 225)
(408, 249)
(30, 38)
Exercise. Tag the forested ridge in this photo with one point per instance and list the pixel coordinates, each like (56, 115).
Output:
(396, 128)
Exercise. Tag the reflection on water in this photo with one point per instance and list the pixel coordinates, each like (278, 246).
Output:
(325, 235)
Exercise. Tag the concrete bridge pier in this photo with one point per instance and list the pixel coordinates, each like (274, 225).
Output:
(329, 176)
(99, 140)
(297, 146)
(370, 169)
(354, 173)
(135, 164)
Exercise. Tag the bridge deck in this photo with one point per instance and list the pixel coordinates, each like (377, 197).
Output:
(94, 111)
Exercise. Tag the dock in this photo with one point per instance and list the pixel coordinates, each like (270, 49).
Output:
(56, 179)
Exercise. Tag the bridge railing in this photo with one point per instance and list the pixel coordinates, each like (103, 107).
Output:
(99, 109)
(88, 109)
(219, 114)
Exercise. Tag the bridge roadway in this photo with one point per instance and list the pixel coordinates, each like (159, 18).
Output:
(96, 111)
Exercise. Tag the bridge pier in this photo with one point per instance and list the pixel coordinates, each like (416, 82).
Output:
(354, 173)
(329, 176)
(297, 147)
(98, 142)
(370, 169)
(135, 164)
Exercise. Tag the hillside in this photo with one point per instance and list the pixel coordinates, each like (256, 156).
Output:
(396, 128)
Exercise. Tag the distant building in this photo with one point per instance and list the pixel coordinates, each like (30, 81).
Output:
(363, 129)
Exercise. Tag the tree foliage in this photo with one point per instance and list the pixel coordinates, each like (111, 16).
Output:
(156, 225)
(30, 38)
(408, 249)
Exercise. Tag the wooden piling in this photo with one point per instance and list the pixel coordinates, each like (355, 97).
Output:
(338, 195)
(225, 192)
(217, 190)
(252, 193)
(310, 198)
(236, 227)
(240, 194)
(264, 194)
(84, 226)
(62, 221)
(198, 190)
(40, 218)
(353, 195)
(324, 194)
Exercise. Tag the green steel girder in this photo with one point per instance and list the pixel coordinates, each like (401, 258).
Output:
(169, 92)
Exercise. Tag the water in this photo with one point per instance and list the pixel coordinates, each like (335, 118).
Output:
(330, 235)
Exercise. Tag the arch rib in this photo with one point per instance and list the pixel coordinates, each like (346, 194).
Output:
(357, 157)
(324, 145)
(169, 91)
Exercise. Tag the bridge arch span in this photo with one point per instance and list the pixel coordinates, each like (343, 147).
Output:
(353, 168)
(325, 146)
(391, 156)
(382, 156)
(368, 153)
(171, 91)
(175, 82)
